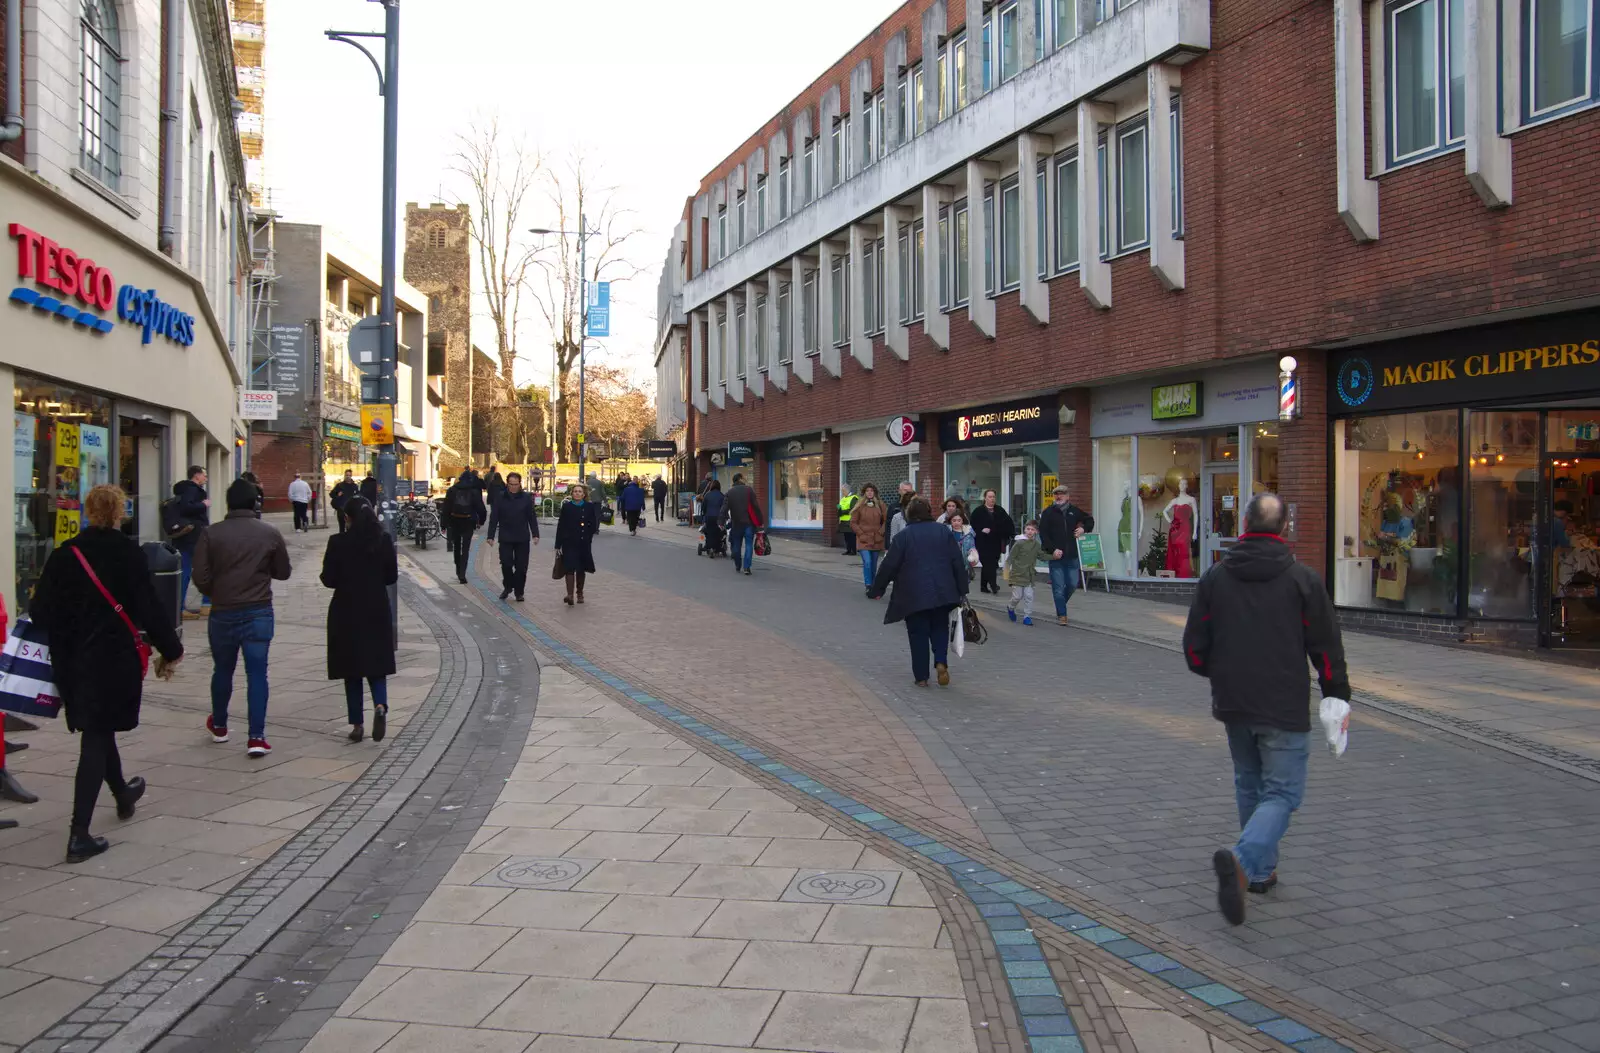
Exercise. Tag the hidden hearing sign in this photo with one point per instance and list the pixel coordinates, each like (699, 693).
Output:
(1032, 420)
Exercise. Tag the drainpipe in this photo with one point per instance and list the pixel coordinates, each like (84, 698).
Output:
(171, 123)
(13, 119)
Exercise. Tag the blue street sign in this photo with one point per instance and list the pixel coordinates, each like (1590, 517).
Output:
(599, 308)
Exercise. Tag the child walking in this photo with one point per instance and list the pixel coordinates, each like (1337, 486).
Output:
(1020, 574)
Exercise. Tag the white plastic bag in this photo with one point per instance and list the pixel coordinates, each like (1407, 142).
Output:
(1336, 724)
(958, 639)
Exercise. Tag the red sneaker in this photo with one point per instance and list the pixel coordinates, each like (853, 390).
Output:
(217, 734)
(258, 748)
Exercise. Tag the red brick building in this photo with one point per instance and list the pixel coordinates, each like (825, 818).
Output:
(1399, 197)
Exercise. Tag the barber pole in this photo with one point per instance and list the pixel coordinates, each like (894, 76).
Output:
(1288, 389)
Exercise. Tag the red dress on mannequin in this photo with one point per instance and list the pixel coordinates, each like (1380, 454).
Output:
(1178, 536)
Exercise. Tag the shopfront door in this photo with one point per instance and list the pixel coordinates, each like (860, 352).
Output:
(1017, 490)
(1569, 569)
(1220, 514)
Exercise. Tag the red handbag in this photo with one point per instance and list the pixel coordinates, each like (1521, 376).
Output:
(138, 640)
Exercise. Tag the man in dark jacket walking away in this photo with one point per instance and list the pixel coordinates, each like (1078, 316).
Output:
(341, 494)
(186, 518)
(744, 517)
(464, 514)
(369, 490)
(1257, 616)
(515, 518)
(631, 500)
(1060, 527)
(658, 490)
(236, 563)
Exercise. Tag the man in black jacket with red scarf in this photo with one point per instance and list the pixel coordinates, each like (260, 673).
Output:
(1257, 616)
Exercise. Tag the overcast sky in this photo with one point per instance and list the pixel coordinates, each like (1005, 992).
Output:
(659, 91)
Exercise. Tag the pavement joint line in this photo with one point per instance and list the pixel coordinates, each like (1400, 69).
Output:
(1473, 731)
(311, 859)
(1018, 946)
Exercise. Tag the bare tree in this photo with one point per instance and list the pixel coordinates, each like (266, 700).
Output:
(503, 174)
(579, 198)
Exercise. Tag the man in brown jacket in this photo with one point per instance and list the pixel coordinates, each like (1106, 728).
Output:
(235, 563)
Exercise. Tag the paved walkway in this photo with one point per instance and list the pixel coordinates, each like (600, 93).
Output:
(1541, 709)
(210, 817)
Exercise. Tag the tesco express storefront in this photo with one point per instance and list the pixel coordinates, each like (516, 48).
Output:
(119, 374)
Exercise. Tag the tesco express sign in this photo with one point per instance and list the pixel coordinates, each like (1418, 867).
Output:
(77, 277)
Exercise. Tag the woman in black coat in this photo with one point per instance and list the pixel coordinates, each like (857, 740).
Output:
(359, 567)
(94, 655)
(576, 527)
(925, 565)
(993, 530)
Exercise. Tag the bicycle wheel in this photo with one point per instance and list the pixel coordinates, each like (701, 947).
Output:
(404, 525)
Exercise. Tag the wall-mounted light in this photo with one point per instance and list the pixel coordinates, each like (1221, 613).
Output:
(1067, 416)
(1288, 389)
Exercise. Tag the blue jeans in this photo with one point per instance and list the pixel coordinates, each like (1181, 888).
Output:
(744, 545)
(1269, 781)
(870, 558)
(230, 632)
(186, 572)
(925, 630)
(1064, 578)
(352, 695)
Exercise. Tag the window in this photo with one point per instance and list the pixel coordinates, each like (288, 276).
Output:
(918, 255)
(785, 323)
(1010, 234)
(989, 233)
(1066, 210)
(1175, 148)
(811, 170)
(197, 188)
(944, 259)
(903, 247)
(1559, 65)
(882, 110)
(875, 290)
(1010, 53)
(849, 148)
(870, 131)
(435, 304)
(841, 300)
(958, 63)
(944, 84)
(436, 236)
(1426, 45)
(838, 151)
(1041, 236)
(958, 250)
(870, 266)
(739, 222)
(903, 109)
(722, 349)
(761, 203)
(783, 188)
(758, 334)
(1066, 21)
(738, 342)
(722, 231)
(918, 99)
(100, 116)
(812, 318)
(1104, 184)
(988, 52)
(1041, 42)
(1133, 199)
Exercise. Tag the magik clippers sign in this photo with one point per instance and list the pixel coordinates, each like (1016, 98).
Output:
(76, 277)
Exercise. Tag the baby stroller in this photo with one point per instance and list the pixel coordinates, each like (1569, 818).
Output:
(713, 540)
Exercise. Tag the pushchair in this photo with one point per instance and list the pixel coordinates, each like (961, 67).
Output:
(713, 540)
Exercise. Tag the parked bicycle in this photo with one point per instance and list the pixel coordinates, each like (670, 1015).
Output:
(418, 520)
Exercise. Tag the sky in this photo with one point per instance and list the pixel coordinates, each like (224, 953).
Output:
(657, 91)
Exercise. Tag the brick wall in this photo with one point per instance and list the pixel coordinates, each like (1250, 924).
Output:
(276, 456)
(1303, 470)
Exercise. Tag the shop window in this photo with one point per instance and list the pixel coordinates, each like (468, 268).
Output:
(1169, 505)
(1264, 459)
(1019, 474)
(1117, 503)
(1503, 477)
(1570, 526)
(1397, 512)
(797, 493)
(1559, 70)
(62, 442)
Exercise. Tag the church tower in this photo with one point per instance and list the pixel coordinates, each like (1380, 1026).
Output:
(438, 263)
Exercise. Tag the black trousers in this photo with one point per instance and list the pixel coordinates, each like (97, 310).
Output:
(849, 540)
(461, 531)
(300, 519)
(990, 562)
(338, 513)
(514, 565)
(98, 762)
(633, 521)
(661, 508)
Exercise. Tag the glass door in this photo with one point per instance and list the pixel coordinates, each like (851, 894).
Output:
(1017, 489)
(1220, 514)
(1571, 569)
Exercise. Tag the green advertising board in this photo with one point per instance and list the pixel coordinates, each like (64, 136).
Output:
(1090, 555)
(1175, 401)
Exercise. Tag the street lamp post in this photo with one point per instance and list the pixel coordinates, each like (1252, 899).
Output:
(583, 234)
(389, 346)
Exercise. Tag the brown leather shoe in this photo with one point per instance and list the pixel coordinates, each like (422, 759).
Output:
(1231, 885)
(944, 674)
(1061, 620)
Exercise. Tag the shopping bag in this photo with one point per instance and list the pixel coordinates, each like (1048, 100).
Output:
(1335, 716)
(27, 683)
(763, 546)
(958, 639)
(971, 627)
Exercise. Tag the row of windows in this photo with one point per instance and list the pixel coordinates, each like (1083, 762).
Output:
(1426, 59)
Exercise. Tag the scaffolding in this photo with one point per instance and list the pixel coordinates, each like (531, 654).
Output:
(249, 20)
(263, 296)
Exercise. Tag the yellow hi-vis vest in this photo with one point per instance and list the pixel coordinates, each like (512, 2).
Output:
(847, 504)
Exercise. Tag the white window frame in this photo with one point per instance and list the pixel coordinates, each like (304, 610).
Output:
(1442, 112)
(1012, 12)
(785, 323)
(761, 204)
(811, 313)
(1138, 126)
(960, 271)
(946, 235)
(903, 104)
(1530, 58)
(1175, 149)
(1057, 41)
(784, 186)
(989, 232)
(758, 341)
(874, 292)
(902, 243)
(919, 253)
(839, 275)
(722, 232)
(810, 162)
(838, 134)
(869, 130)
(1041, 219)
(882, 110)
(1009, 187)
(740, 227)
(722, 349)
(987, 46)
(740, 365)
(918, 93)
(100, 58)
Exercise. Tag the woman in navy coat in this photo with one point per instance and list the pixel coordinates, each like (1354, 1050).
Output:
(576, 527)
(925, 565)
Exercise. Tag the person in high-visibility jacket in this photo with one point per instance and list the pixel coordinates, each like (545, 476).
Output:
(847, 503)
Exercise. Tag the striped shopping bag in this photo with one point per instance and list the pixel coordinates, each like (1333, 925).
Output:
(27, 683)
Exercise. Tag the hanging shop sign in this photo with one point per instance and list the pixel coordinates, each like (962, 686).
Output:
(1535, 358)
(740, 452)
(77, 279)
(904, 431)
(1175, 401)
(660, 448)
(1033, 420)
(343, 432)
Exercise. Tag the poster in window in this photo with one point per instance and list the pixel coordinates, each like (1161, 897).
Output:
(67, 440)
(94, 458)
(23, 425)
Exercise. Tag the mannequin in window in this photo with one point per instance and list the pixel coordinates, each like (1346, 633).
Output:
(1125, 524)
(1181, 513)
